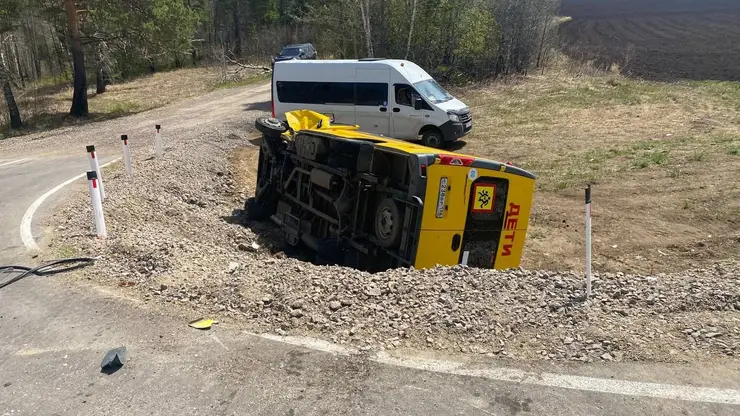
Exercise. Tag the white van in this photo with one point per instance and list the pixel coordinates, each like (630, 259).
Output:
(389, 97)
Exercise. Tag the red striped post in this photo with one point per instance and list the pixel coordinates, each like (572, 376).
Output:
(127, 156)
(158, 141)
(95, 165)
(97, 205)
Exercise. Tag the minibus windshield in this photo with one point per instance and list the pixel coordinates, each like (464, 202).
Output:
(432, 91)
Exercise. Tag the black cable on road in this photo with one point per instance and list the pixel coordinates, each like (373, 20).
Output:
(46, 269)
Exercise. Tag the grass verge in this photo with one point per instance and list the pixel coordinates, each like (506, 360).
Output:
(661, 158)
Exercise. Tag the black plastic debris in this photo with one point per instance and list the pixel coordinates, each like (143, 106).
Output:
(113, 360)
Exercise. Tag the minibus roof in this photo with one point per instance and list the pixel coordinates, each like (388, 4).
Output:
(412, 148)
(411, 71)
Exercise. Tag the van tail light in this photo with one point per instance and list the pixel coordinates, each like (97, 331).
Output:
(424, 170)
(272, 93)
(456, 160)
(272, 105)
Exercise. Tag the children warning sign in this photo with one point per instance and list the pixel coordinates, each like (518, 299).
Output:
(484, 195)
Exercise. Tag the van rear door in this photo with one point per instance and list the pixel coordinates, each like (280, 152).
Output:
(371, 100)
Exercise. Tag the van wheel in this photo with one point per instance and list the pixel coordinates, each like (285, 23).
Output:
(271, 127)
(432, 138)
(388, 223)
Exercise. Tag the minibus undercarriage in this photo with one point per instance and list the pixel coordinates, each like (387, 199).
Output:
(349, 201)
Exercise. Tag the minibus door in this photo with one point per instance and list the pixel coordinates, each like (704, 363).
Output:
(372, 111)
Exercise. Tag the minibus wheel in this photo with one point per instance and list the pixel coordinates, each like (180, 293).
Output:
(388, 223)
(271, 127)
(257, 210)
(432, 138)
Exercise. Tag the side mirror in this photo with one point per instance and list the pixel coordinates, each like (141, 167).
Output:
(418, 104)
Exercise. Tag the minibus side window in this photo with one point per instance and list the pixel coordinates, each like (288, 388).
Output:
(371, 93)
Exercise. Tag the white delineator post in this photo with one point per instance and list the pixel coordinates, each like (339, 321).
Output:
(97, 205)
(127, 156)
(588, 242)
(94, 165)
(158, 141)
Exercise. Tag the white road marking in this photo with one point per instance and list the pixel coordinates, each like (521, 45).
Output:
(12, 162)
(310, 343)
(513, 375)
(215, 338)
(26, 234)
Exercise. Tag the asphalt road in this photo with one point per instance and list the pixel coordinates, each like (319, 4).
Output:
(22, 181)
(54, 333)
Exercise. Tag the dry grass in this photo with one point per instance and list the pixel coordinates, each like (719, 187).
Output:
(663, 158)
(46, 105)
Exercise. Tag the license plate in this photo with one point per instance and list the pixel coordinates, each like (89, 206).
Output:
(441, 197)
(469, 124)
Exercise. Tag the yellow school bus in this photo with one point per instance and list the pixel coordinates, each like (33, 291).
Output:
(375, 203)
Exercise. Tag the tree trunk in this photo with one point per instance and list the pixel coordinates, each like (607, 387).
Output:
(13, 112)
(49, 56)
(381, 31)
(18, 65)
(102, 76)
(212, 32)
(542, 41)
(411, 30)
(28, 29)
(79, 98)
(237, 33)
(366, 26)
(58, 51)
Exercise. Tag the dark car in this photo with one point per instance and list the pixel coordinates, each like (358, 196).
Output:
(297, 51)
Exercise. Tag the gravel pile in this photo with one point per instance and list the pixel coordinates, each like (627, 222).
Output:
(174, 238)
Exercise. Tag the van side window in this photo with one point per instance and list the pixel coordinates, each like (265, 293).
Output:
(337, 92)
(371, 93)
(315, 92)
(403, 95)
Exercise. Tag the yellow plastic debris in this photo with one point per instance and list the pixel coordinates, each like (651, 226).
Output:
(202, 323)
(307, 119)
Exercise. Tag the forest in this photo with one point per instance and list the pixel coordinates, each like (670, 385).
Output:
(96, 43)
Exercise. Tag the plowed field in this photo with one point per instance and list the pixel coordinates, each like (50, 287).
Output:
(657, 39)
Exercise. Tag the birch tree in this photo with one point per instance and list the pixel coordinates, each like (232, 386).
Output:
(366, 26)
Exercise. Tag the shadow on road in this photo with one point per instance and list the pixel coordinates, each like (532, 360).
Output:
(259, 106)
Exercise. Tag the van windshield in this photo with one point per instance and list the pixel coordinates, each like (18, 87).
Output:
(432, 91)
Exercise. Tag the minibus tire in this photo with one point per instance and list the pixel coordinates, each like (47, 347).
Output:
(432, 138)
(388, 209)
(257, 210)
(271, 127)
